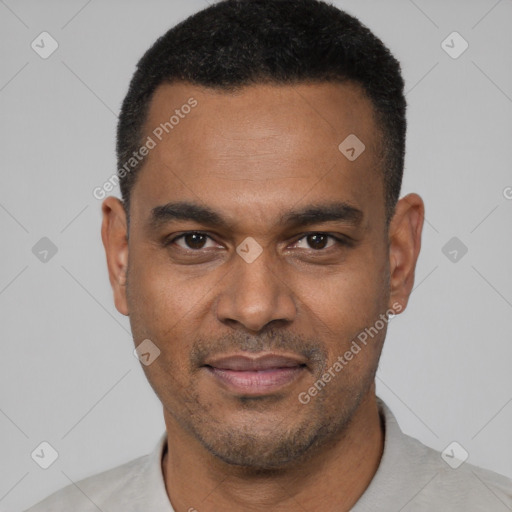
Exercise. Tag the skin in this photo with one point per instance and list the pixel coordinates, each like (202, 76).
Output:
(254, 156)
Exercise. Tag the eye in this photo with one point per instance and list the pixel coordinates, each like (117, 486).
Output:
(318, 241)
(193, 240)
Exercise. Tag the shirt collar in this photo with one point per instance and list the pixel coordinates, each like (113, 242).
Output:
(152, 480)
(400, 469)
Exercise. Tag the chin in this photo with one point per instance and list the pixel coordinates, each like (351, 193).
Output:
(266, 451)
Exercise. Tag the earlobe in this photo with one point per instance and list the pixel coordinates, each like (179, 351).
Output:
(404, 247)
(115, 241)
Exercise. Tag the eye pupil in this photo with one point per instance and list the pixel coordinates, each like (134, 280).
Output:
(317, 241)
(195, 240)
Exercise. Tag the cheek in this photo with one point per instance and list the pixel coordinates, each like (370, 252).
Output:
(162, 309)
(344, 308)
(351, 297)
(159, 298)
(158, 288)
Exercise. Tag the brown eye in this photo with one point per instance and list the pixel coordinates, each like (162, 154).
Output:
(317, 241)
(193, 241)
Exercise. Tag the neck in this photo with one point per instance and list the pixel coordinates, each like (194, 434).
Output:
(333, 478)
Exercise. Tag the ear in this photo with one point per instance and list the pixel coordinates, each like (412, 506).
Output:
(404, 247)
(115, 240)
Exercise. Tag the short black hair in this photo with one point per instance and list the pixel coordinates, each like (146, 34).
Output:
(235, 43)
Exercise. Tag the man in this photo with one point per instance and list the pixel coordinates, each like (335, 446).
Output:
(259, 251)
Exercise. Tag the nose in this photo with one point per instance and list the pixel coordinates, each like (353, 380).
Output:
(254, 294)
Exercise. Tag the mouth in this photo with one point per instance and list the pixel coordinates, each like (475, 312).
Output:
(258, 375)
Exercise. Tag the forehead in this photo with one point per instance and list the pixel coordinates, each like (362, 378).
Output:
(263, 143)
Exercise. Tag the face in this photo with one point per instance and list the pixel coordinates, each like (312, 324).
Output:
(258, 254)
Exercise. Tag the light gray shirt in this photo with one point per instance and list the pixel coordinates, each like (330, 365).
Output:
(411, 478)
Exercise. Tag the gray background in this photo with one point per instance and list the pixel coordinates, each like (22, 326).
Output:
(68, 375)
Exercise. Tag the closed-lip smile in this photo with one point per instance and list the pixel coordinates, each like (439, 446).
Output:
(256, 374)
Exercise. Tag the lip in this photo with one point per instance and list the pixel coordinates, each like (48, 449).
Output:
(256, 375)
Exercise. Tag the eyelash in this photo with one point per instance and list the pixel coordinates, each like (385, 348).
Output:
(339, 240)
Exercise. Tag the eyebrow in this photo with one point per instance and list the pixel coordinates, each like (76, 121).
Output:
(317, 214)
(186, 211)
(310, 214)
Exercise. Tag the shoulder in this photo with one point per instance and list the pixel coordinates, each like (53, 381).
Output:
(458, 485)
(107, 490)
(429, 480)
